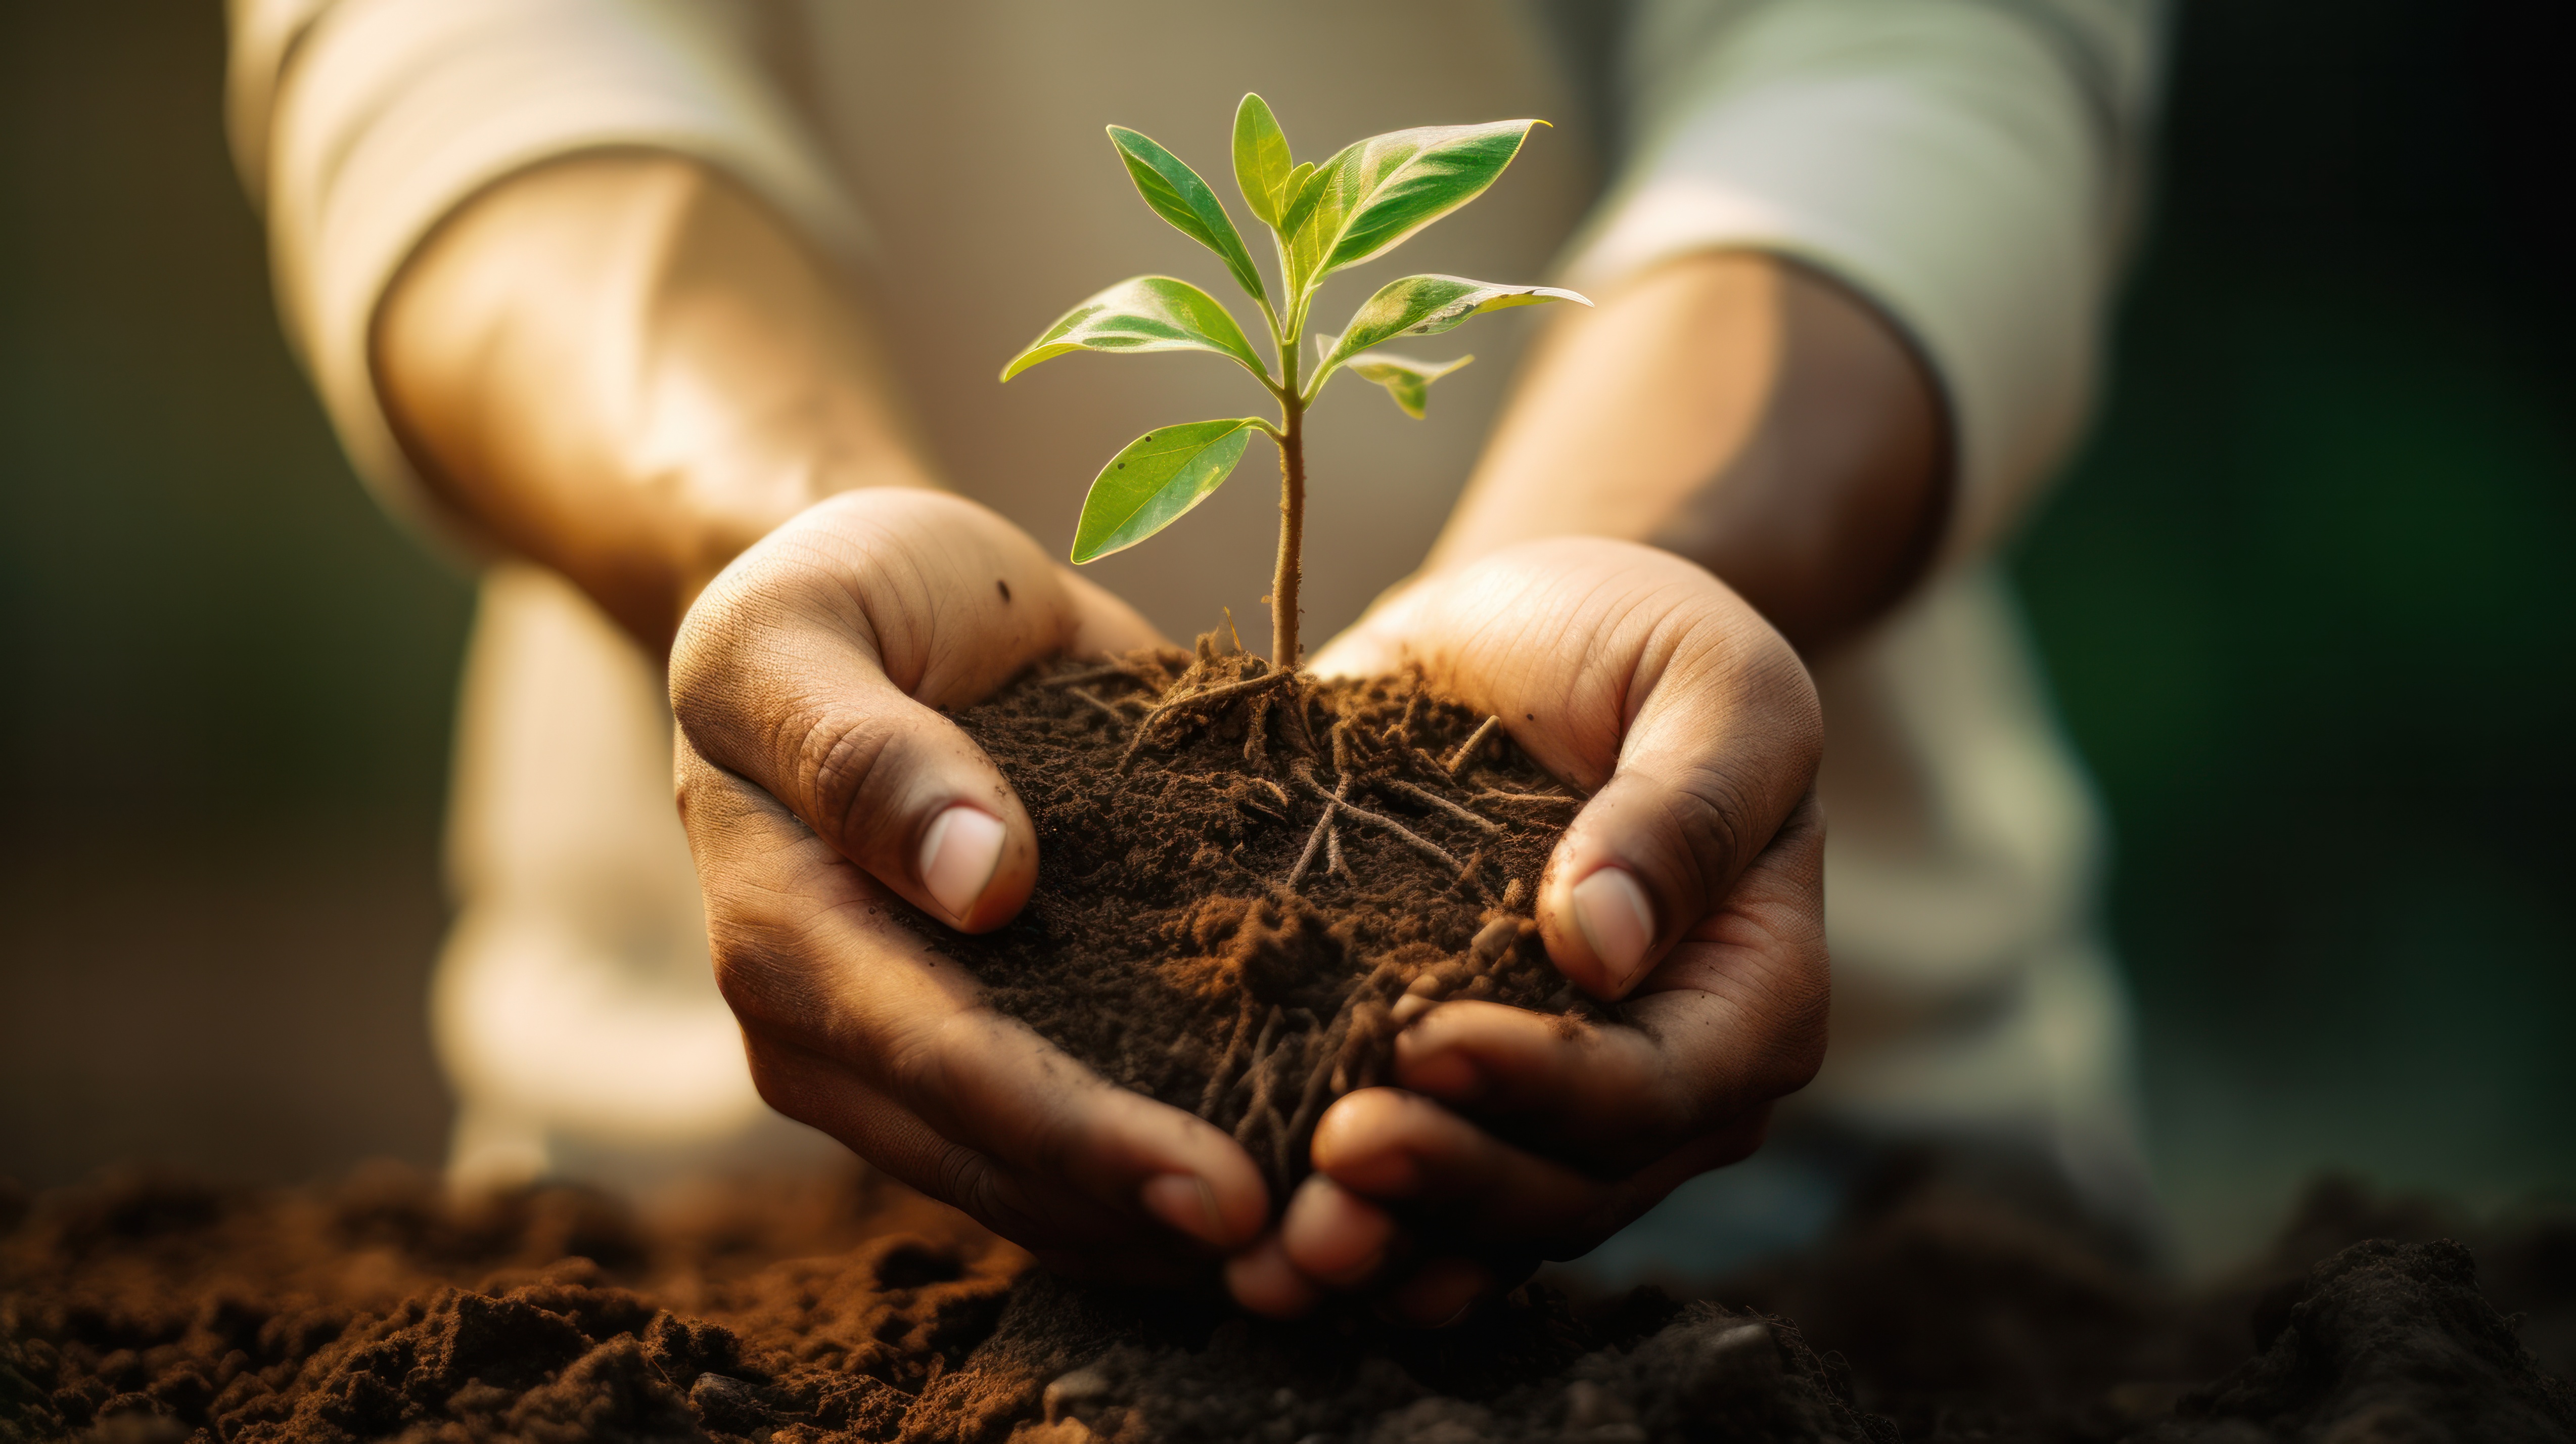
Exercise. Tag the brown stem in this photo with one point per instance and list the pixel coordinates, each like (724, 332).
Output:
(1292, 538)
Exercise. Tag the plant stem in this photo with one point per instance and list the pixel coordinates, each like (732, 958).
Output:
(1292, 533)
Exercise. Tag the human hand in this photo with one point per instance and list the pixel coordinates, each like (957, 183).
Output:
(1690, 886)
(819, 783)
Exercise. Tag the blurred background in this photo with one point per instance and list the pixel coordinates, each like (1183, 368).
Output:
(2305, 599)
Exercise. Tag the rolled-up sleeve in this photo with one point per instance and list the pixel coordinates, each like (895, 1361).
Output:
(1967, 165)
(359, 125)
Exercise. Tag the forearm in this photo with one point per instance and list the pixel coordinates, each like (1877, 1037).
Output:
(625, 369)
(1742, 411)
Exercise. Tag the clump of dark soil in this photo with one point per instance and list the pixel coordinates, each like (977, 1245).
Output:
(1243, 875)
(159, 1310)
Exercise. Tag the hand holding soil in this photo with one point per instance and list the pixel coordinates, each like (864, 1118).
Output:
(823, 792)
(1270, 892)
(1512, 1136)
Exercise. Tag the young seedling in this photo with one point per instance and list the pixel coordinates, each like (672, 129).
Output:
(1363, 202)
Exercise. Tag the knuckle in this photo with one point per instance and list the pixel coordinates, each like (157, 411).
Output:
(755, 972)
(978, 1188)
(834, 758)
(1708, 815)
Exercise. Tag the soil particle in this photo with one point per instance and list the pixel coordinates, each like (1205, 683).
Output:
(1243, 876)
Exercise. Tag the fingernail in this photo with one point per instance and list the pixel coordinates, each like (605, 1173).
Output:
(958, 857)
(1617, 922)
(1185, 1201)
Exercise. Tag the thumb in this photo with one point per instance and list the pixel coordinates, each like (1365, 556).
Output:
(1721, 749)
(1628, 669)
(815, 665)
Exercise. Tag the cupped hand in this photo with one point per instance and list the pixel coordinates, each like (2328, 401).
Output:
(819, 784)
(1688, 888)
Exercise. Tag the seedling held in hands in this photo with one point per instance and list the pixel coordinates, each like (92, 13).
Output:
(1363, 202)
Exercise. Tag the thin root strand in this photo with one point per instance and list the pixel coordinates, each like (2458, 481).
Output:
(1425, 795)
(1116, 718)
(1323, 832)
(1402, 833)
(1468, 748)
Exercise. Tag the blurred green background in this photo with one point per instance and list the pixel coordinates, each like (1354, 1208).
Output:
(2303, 598)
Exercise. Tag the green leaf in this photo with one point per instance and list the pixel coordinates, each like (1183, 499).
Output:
(1427, 306)
(1155, 480)
(1261, 161)
(1302, 191)
(1405, 380)
(1176, 193)
(1143, 313)
(1376, 193)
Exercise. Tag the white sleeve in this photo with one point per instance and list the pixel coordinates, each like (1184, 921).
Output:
(1968, 165)
(359, 124)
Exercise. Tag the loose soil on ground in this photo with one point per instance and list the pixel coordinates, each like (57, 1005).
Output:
(160, 1310)
(1249, 883)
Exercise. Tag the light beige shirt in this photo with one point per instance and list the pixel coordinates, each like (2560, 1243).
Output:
(1967, 164)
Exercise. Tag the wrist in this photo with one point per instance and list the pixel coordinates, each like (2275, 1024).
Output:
(1742, 411)
(625, 369)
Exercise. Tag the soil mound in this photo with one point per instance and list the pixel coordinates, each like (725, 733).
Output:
(1244, 874)
(2387, 1341)
(160, 1310)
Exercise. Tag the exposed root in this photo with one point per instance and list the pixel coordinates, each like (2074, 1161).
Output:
(1256, 732)
(1495, 795)
(1111, 671)
(1271, 678)
(1260, 1052)
(1306, 778)
(1468, 748)
(1192, 700)
(1423, 794)
(1219, 1082)
(1310, 1106)
(1265, 1074)
(1401, 734)
(1323, 834)
(1333, 851)
(1116, 718)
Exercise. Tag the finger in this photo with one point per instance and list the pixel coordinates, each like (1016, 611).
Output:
(1103, 622)
(1627, 669)
(1735, 1017)
(1722, 745)
(815, 664)
(1400, 1150)
(1334, 1236)
(1415, 1158)
(1265, 1281)
(807, 952)
(829, 1097)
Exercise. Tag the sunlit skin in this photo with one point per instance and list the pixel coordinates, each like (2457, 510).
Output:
(623, 368)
